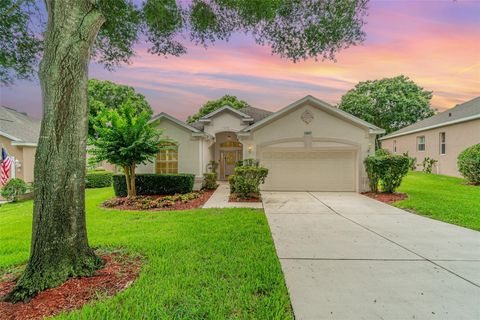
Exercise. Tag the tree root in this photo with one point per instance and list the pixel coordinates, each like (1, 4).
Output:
(37, 278)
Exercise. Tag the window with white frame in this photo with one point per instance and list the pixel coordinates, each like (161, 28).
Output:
(421, 143)
(394, 146)
(167, 159)
(442, 140)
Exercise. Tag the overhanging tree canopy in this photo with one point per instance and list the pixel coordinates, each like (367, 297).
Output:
(294, 29)
(213, 105)
(389, 103)
(75, 31)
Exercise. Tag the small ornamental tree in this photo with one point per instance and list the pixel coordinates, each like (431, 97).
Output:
(107, 94)
(469, 164)
(124, 138)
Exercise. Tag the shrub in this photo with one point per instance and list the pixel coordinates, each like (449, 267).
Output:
(396, 168)
(428, 164)
(382, 152)
(98, 178)
(372, 166)
(13, 189)
(469, 164)
(210, 180)
(231, 182)
(152, 202)
(155, 184)
(411, 160)
(388, 170)
(212, 166)
(248, 179)
(247, 163)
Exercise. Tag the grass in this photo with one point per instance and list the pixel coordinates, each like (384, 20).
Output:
(200, 264)
(442, 198)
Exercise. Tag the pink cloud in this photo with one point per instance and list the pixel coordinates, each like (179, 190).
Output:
(435, 43)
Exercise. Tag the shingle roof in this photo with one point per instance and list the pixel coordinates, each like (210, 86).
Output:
(462, 112)
(256, 114)
(18, 126)
(198, 125)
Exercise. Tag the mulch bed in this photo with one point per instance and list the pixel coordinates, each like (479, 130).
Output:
(191, 204)
(386, 197)
(118, 274)
(235, 198)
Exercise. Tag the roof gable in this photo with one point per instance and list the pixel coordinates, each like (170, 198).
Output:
(320, 105)
(256, 114)
(164, 115)
(208, 117)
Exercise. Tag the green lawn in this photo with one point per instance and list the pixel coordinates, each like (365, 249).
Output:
(443, 198)
(200, 264)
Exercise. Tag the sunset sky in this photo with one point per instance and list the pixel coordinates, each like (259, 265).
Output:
(435, 43)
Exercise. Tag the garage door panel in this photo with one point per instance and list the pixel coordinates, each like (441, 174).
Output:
(309, 170)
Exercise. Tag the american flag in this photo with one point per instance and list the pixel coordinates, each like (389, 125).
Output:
(5, 166)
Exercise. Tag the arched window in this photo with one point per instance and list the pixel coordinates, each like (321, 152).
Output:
(167, 159)
(231, 144)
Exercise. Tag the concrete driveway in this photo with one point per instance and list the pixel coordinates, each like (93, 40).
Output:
(346, 256)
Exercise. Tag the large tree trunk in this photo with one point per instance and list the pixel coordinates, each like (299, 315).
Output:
(59, 247)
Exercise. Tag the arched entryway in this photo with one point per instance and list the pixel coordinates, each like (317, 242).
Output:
(228, 150)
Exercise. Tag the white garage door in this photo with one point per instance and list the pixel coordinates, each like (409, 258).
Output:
(309, 170)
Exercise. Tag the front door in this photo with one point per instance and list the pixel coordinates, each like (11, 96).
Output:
(228, 159)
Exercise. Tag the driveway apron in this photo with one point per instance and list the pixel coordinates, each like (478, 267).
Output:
(346, 256)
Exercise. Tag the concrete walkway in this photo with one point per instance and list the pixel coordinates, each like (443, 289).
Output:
(219, 199)
(346, 256)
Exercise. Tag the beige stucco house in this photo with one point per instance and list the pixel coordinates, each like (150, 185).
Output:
(307, 146)
(441, 137)
(19, 135)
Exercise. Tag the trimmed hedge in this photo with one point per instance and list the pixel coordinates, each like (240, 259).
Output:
(469, 163)
(98, 179)
(149, 184)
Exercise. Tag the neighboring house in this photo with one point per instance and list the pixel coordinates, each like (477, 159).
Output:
(308, 145)
(441, 137)
(19, 135)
